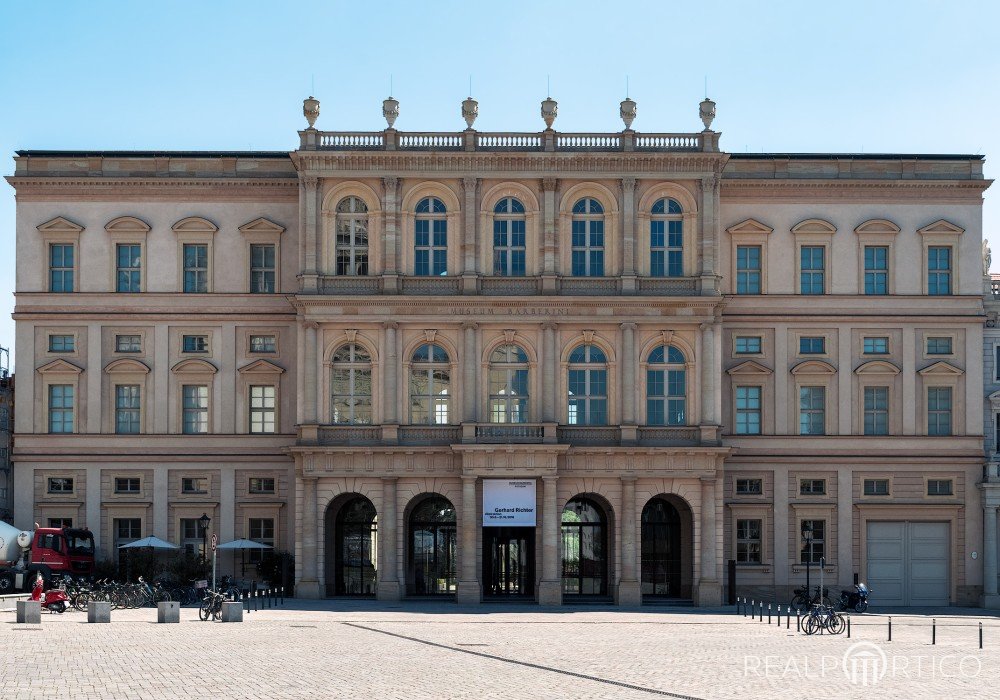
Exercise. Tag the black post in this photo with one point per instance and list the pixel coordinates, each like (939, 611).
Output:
(980, 635)
(848, 626)
(788, 617)
(798, 621)
(933, 631)
(856, 578)
(282, 595)
(808, 589)
(768, 613)
(890, 628)
(732, 581)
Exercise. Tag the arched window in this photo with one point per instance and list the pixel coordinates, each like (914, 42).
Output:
(508, 238)
(584, 549)
(588, 238)
(430, 249)
(356, 546)
(588, 386)
(352, 237)
(666, 386)
(661, 549)
(351, 385)
(430, 386)
(433, 544)
(508, 385)
(666, 239)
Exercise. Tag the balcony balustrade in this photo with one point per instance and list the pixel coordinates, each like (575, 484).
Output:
(351, 285)
(503, 433)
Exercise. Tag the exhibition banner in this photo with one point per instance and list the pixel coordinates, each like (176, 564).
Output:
(508, 503)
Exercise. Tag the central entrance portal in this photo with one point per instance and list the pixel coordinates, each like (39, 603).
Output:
(509, 561)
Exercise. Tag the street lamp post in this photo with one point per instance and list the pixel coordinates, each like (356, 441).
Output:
(807, 537)
(204, 520)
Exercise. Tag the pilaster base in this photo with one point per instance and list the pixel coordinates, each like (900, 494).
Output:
(469, 593)
(630, 284)
(629, 594)
(390, 284)
(708, 594)
(991, 602)
(550, 593)
(550, 284)
(470, 284)
(387, 590)
(307, 589)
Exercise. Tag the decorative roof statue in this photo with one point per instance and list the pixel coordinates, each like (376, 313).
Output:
(390, 110)
(310, 110)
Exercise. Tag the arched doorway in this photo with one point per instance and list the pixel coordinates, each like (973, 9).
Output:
(432, 544)
(584, 549)
(352, 540)
(666, 548)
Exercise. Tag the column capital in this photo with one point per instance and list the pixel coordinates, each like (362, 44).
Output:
(628, 184)
(549, 184)
(469, 478)
(470, 183)
(310, 181)
(550, 326)
(390, 183)
(629, 477)
(310, 325)
(627, 326)
(550, 479)
(469, 325)
(390, 325)
(390, 479)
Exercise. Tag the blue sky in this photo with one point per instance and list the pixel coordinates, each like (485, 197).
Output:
(914, 77)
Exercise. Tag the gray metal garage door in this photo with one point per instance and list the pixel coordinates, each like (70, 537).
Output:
(908, 563)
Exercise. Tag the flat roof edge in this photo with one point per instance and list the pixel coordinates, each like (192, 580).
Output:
(151, 154)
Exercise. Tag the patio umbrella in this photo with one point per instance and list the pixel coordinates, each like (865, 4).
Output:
(147, 543)
(243, 545)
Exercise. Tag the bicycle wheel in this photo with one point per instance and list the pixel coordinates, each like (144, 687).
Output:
(205, 611)
(800, 603)
(810, 624)
(836, 623)
(217, 610)
(861, 607)
(233, 594)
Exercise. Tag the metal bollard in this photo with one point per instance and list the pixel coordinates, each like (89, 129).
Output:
(768, 613)
(848, 626)
(788, 617)
(246, 600)
(890, 628)
(282, 595)
(980, 635)
(798, 621)
(777, 610)
(933, 631)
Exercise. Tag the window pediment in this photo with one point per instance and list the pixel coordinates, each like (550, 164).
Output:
(59, 367)
(127, 224)
(126, 365)
(878, 227)
(994, 400)
(261, 367)
(261, 225)
(877, 367)
(194, 224)
(814, 226)
(814, 367)
(194, 366)
(749, 368)
(940, 369)
(60, 225)
(941, 227)
(749, 226)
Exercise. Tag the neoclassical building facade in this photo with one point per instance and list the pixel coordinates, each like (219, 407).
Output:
(540, 366)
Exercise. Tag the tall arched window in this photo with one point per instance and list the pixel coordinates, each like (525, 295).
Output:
(352, 237)
(584, 549)
(508, 385)
(430, 386)
(666, 239)
(508, 238)
(430, 249)
(588, 238)
(666, 386)
(351, 385)
(433, 545)
(588, 387)
(356, 542)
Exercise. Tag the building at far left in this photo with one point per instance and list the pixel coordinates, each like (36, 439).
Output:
(6, 434)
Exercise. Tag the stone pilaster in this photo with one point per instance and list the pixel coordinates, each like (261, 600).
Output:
(628, 373)
(470, 390)
(309, 374)
(469, 590)
(550, 587)
(990, 597)
(709, 590)
(628, 235)
(470, 186)
(390, 208)
(711, 233)
(308, 585)
(549, 185)
(548, 363)
(388, 581)
(310, 212)
(629, 590)
(390, 369)
(708, 374)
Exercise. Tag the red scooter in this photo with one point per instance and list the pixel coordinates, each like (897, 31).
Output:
(53, 600)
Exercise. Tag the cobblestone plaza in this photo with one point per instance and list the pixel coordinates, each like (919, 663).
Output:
(355, 649)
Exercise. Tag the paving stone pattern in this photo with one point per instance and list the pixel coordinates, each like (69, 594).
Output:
(425, 650)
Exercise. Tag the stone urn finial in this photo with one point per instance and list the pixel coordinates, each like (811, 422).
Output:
(390, 110)
(310, 110)
(550, 108)
(470, 110)
(707, 113)
(628, 112)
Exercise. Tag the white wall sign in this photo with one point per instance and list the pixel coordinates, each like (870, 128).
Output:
(508, 503)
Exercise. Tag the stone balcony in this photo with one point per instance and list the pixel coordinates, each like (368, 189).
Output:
(507, 434)
(509, 286)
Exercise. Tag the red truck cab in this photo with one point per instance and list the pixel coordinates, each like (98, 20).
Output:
(64, 550)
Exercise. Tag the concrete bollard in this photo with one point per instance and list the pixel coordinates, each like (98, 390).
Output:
(168, 611)
(29, 612)
(98, 611)
(232, 612)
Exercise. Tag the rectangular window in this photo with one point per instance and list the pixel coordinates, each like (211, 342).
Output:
(261, 484)
(939, 270)
(195, 409)
(876, 269)
(748, 410)
(61, 267)
(666, 255)
(812, 410)
(128, 484)
(60, 408)
(127, 530)
(587, 255)
(195, 268)
(261, 269)
(192, 485)
(129, 257)
(431, 249)
(939, 410)
(814, 549)
(62, 343)
(262, 409)
(876, 410)
(748, 269)
(60, 523)
(812, 345)
(748, 539)
(878, 345)
(194, 343)
(509, 247)
(60, 484)
(748, 344)
(939, 345)
(812, 272)
(812, 487)
(749, 487)
(939, 487)
(127, 409)
(263, 343)
(260, 530)
(191, 537)
(128, 343)
(876, 487)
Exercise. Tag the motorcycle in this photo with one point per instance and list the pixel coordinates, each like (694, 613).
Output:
(856, 600)
(54, 600)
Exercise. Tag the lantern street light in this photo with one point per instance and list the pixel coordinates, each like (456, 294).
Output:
(204, 520)
(807, 537)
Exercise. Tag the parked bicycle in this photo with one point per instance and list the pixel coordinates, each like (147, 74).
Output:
(211, 606)
(823, 617)
(803, 603)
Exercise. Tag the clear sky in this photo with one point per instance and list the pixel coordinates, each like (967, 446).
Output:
(799, 76)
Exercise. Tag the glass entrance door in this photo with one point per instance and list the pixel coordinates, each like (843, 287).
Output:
(509, 561)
